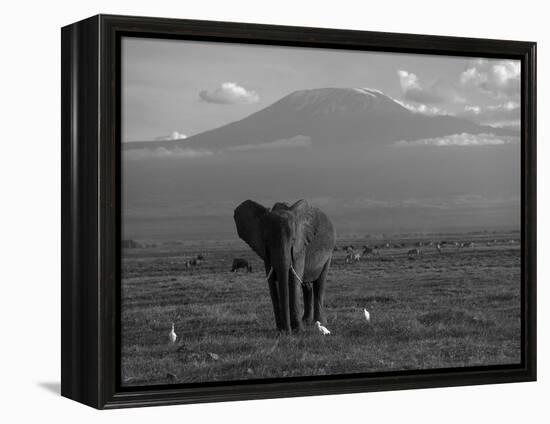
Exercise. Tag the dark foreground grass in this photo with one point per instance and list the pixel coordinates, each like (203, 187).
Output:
(460, 308)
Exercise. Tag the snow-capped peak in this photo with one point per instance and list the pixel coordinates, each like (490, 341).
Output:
(368, 91)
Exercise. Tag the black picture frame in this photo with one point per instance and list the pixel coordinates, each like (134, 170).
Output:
(90, 289)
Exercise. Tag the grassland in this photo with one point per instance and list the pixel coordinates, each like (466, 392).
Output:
(460, 307)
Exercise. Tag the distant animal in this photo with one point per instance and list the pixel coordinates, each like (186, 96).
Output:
(336, 249)
(200, 257)
(171, 376)
(414, 252)
(418, 244)
(172, 335)
(239, 263)
(369, 251)
(438, 247)
(367, 315)
(324, 330)
(353, 257)
(296, 243)
(349, 248)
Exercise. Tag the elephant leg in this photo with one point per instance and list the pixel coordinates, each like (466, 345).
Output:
(295, 304)
(307, 290)
(283, 290)
(319, 295)
(275, 301)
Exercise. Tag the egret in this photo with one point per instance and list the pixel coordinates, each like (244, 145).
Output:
(367, 315)
(173, 336)
(324, 330)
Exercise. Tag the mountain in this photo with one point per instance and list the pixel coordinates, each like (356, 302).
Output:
(327, 116)
(355, 170)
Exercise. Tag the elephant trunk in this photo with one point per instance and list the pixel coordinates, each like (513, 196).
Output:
(281, 262)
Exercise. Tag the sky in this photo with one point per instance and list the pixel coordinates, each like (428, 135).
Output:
(175, 88)
(172, 89)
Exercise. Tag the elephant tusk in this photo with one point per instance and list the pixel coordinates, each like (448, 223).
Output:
(293, 271)
(296, 274)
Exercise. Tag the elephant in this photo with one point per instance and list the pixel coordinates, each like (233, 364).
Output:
(239, 263)
(296, 244)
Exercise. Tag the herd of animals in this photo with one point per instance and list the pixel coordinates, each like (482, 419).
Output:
(353, 254)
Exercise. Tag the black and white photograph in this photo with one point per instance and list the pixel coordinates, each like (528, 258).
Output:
(301, 212)
(262, 213)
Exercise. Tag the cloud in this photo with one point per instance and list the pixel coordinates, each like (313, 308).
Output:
(422, 108)
(176, 135)
(507, 112)
(416, 91)
(162, 152)
(189, 153)
(508, 124)
(472, 110)
(500, 78)
(297, 141)
(464, 139)
(229, 93)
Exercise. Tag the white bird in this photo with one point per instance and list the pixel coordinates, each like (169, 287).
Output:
(323, 330)
(367, 315)
(173, 336)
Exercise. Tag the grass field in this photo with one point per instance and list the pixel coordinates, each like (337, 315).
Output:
(454, 309)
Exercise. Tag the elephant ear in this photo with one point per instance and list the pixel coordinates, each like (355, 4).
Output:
(247, 218)
(280, 205)
(305, 218)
